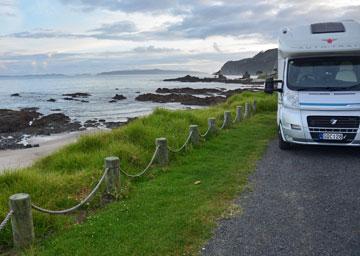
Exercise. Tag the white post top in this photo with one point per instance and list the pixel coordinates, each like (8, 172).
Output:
(19, 197)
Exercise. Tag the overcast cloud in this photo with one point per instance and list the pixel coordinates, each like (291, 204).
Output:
(60, 36)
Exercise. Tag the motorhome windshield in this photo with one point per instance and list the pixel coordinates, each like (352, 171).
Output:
(325, 73)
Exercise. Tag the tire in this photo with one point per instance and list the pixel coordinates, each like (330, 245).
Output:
(283, 145)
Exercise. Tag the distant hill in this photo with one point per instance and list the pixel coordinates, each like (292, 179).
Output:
(147, 72)
(33, 76)
(263, 61)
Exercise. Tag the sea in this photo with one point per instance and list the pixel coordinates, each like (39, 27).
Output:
(36, 91)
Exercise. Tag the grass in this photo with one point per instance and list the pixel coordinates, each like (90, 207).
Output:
(164, 213)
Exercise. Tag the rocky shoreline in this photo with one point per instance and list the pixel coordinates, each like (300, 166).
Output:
(219, 79)
(16, 126)
(185, 99)
(186, 95)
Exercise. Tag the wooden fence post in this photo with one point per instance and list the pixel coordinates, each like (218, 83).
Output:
(238, 114)
(212, 125)
(254, 108)
(247, 110)
(112, 178)
(195, 135)
(22, 220)
(163, 153)
(227, 119)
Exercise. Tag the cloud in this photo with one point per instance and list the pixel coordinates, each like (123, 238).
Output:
(8, 8)
(124, 5)
(256, 17)
(216, 47)
(153, 49)
(206, 18)
(3, 66)
(8, 14)
(43, 33)
(136, 33)
(116, 28)
(139, 57)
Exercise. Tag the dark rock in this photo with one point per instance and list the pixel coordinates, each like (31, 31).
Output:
(56, 109)
(13, 120)
(194, 79)
(184, 99)
(53, 123)
(112, 101)
(119, 97)
(102, 120)
(186, 78)
(188, 90)
(15, 95)
(77, 94)
(75, 99)
(15, 123)
(51, 100)
(91, 123)
(49, 119)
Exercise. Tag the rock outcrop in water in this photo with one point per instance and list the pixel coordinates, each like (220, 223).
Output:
(219, 79)
(184, 99)
(188, 90)
(186, 95)
(117, 97)
(78, 94)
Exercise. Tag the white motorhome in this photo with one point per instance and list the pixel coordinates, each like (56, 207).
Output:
(319, 86)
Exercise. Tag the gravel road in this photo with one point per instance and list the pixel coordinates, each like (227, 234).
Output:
(304, 202)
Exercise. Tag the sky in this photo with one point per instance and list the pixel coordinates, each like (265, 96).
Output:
(91, 36)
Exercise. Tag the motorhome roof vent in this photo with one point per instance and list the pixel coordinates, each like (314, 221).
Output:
(330, 27)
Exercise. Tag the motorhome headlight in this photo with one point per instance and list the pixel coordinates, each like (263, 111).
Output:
(291, 99)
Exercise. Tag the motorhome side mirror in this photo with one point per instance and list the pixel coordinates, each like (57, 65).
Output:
(270, 85)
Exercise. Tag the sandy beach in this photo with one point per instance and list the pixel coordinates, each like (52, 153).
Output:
(11, 160)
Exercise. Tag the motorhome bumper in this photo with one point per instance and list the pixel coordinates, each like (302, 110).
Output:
(298, 137)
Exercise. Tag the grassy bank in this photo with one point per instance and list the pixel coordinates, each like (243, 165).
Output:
(163, 213)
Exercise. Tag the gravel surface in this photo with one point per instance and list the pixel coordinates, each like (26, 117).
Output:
(303, 202)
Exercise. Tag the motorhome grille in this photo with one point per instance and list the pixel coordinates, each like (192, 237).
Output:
(333, 121)
(330, 27)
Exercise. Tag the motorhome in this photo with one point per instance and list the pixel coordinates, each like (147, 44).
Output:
(318, 84)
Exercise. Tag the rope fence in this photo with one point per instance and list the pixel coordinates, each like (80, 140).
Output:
(20, 212)
(206, 133)
(146, 168)
(74, 208)
(6, 220)
(183, 146)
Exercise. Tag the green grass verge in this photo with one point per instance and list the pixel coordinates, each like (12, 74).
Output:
(163, 213)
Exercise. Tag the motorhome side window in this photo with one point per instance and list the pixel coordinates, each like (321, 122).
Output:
(324, 73)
